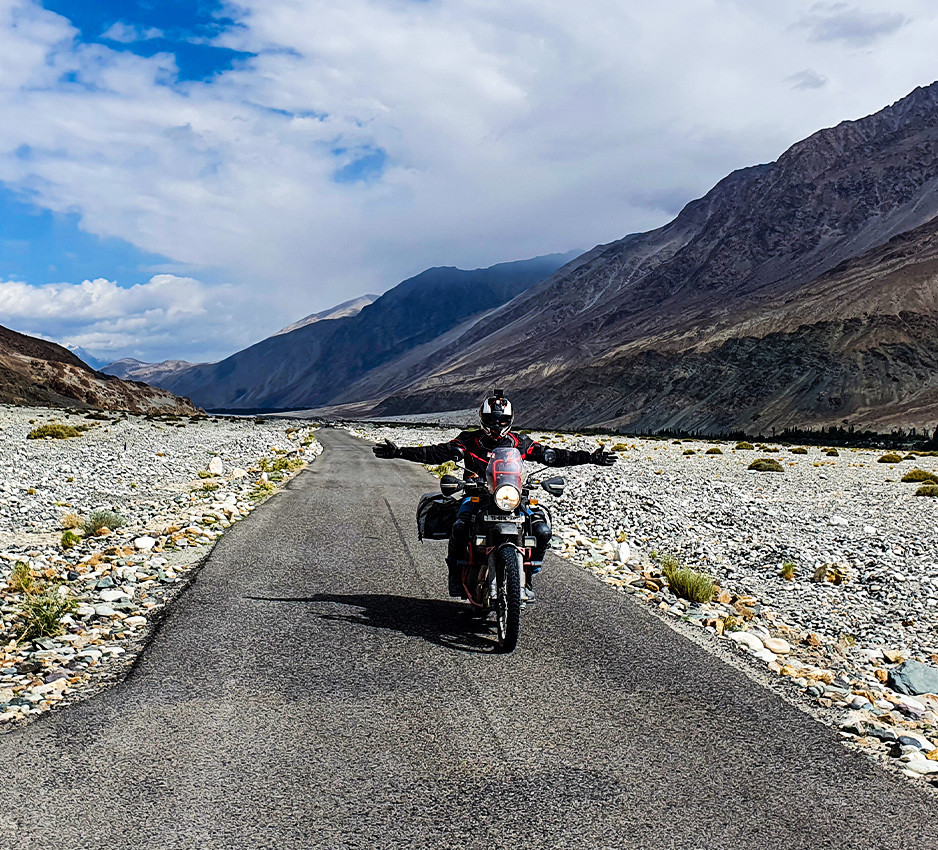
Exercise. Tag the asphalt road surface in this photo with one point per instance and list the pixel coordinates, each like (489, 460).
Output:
(314, 688)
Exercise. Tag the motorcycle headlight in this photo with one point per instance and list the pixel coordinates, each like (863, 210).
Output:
(507, 498)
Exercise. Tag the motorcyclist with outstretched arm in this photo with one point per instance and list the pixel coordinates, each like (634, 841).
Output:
(472, 448)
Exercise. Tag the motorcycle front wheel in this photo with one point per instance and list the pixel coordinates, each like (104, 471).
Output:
(508, 566)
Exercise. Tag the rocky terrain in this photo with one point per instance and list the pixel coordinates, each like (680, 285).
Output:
(826, 573)
(100, 530)
(33, 371)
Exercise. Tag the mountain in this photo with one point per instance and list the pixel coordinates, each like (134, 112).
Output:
(317, 362)
(86, 356)
(154, 374)
(34, 371)
(799, 292)
(340, 311)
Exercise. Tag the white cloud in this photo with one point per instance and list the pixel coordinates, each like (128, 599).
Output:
(111, 321)
(510, 129)
(127, 34)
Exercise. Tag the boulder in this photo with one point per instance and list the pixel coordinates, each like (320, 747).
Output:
(914, 678)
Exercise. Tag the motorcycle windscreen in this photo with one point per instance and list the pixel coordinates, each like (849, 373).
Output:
(505, 467)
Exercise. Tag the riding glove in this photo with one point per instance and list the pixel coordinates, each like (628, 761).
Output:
(602, 458)
(386, 450)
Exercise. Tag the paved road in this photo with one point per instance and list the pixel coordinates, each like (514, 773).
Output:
(314, 689)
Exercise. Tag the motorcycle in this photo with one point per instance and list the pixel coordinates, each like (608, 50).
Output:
(501, 543)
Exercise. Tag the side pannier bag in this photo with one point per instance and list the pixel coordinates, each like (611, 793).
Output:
(436, 514)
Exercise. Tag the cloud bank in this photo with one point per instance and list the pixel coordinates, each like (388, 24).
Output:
(360, 142)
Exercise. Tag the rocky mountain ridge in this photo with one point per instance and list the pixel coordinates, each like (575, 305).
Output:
(777, 261)
(34, 371)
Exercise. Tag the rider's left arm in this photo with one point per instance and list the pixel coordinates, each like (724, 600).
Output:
(550, 456)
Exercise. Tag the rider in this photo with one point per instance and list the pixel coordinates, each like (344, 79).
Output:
(473, 447)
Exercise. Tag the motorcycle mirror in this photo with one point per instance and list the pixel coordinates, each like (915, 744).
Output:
(450, 485)
(554, 485)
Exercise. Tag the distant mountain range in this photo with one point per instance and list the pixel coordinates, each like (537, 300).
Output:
(34, 371)
(325, 358)
(802, 292)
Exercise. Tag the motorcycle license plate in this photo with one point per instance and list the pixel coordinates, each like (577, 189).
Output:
(513, 519)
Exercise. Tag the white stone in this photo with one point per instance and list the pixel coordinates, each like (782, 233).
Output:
(145, 543)
(215, 466)
(746, 639)
(237, 472)
(136, 621)
(778, 646)
(623, 552)
(112, 594)
(765, 655)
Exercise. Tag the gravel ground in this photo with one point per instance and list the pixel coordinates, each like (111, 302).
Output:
(175, 483)
(826, 573)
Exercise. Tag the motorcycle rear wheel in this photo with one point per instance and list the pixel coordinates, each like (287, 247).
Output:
(508, 601)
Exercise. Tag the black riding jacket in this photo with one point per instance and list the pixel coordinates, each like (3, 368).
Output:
(477, 445)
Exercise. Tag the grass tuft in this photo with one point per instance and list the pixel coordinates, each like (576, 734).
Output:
(21, 580)
(832, 453)
(714, 451)
(70, 520)
(917, 476)
(799, 450)
(789, 570)
(766, 464)
(102, 519)
(57, 430)
(927, 490)
(69, 539)
(890, 457)
(685, 582)
(43, 612)
(745, 446)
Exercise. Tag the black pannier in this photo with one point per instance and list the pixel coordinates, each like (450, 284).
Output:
(436, 514)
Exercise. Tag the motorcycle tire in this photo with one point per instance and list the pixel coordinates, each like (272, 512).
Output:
(508, 602)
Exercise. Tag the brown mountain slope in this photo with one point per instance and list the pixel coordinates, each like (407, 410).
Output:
(794, 266)
(33, 371)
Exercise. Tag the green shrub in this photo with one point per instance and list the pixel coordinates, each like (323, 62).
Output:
(744, 446)
(69, 539)
(766, 464)
(57, 430)
(209, 487)
(927, 490)
(620, 447)
(687, 583)
(447, 468)
(889, 458)
(788, 571)
(689, 452)
(261, 490)
(832, 453)
(714, 451)
(204, 473)
(42, 613)
(21, 580)
(800, 450)
(102, 519)
(919, 475)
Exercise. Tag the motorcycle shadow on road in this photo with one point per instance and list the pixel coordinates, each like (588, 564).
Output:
(446, 623)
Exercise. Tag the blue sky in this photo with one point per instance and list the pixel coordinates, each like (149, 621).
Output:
(181, 179)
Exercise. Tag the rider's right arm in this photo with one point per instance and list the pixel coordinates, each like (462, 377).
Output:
(438, 453)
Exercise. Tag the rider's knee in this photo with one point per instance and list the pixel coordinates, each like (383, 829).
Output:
(460, 530)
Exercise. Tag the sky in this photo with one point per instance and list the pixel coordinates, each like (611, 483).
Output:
(181, 179)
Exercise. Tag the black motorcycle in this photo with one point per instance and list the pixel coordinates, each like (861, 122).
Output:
(501, 542)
